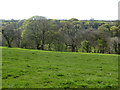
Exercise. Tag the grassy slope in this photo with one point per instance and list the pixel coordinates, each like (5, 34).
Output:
(24, 68)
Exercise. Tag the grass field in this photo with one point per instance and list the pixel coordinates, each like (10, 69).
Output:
(24, 68)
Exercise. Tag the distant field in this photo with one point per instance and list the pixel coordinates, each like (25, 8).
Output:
(24, 68)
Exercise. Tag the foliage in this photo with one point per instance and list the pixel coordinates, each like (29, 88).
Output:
(86, 46)
(41, 33)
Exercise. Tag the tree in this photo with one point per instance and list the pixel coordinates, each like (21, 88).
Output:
(35, 28)
(115, 30)
(86, 46)
(70, 31)
(102, 44)
(104, 28)
(8, 32)
(74, 19)
(18, 32)
(114, 43)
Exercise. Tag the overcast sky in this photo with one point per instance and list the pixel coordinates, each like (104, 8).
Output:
(60, 9)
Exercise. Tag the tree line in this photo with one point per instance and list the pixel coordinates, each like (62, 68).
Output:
(71, 35)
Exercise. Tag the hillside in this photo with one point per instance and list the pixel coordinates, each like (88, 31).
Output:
(25, 68)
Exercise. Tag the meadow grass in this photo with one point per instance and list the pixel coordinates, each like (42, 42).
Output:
(25, 68)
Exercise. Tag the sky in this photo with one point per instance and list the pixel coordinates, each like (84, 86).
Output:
(60, 9)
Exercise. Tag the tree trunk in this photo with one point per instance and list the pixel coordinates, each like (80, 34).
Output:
(9, 43)
(43, 41)
(42, 46)
(66, 48)
(118, 48)
(49, 47)
(38, 46)
(73, 48)
(94, 50)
